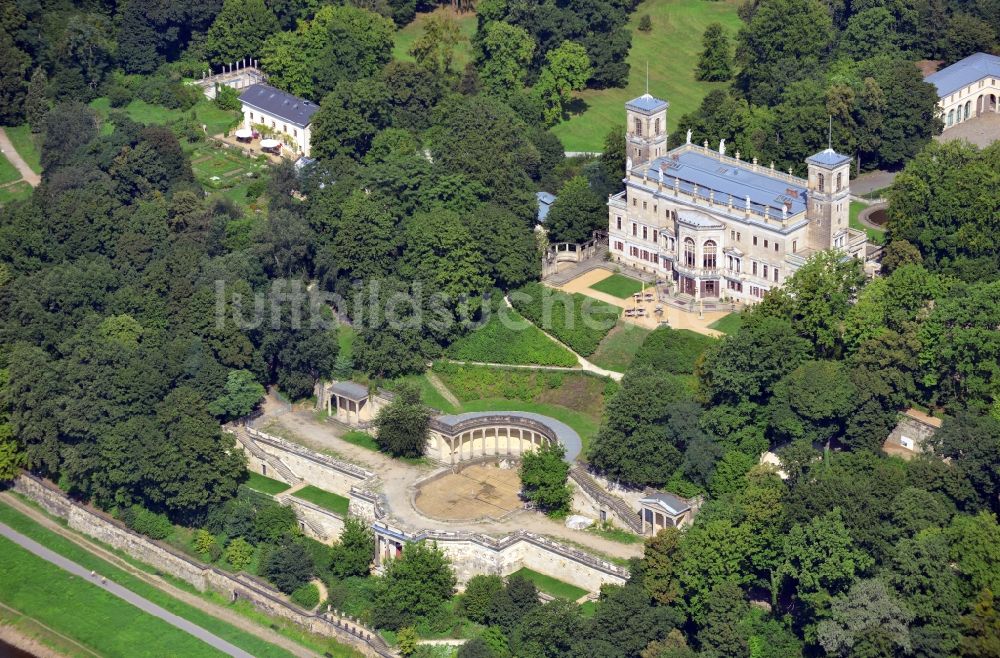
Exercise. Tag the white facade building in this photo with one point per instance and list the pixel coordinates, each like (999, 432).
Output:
(287, 117)
(717, 226)
(967, 88)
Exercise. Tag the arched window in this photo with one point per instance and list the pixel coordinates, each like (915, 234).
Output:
(638, 127)
(822, 182)
(951, 117)
(708, 254)
(968, 108)
(840, 181)
(658, 130)
(689, 252)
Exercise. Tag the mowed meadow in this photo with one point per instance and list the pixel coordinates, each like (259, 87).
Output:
(671, 49)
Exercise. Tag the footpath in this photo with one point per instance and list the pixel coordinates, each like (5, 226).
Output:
(30, 177)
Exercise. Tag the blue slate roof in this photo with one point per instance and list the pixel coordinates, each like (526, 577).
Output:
(545, 201)
(647, 103)
(294, 110)
(767, 193)
(828, 158)
(964, 72)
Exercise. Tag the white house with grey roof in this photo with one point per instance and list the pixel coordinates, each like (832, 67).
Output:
(967, 88)
(722, 227)
(287, 117)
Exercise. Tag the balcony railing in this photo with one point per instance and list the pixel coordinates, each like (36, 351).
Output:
(682, 268)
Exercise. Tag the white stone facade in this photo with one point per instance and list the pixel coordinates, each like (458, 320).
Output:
(719, 227)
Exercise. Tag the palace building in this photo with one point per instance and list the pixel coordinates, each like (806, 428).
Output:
(967, 88)
(720, 227)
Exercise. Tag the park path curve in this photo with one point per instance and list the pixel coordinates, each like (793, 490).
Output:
(443, 389)
(125, 594)
(29, 176)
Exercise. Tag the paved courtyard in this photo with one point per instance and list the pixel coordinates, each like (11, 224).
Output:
(678, 319)
(476, 491)
(981, 131)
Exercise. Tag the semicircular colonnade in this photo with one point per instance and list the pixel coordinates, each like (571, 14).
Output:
(461, 437)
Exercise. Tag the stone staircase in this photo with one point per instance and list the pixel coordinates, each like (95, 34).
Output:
(598, 493)
(279, 466)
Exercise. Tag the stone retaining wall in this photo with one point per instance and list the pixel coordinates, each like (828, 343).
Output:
(317, 469)
(330, 525)
(203, 577)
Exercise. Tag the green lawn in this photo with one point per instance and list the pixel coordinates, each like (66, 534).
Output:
(575, 398)
(874, 235)
(615, 534)
(551, 586)
(510, 339)
(58, 594)
(8, 172)
(728, 324)
(361, 439)
(75, 607)
(216, 167)
(410, 33)
(206, 112)
(618, 285)
(24, 142)
(267, 485)
(617, 350)
(325, 499)
(14, 191)
(428, 394)
(671, 49)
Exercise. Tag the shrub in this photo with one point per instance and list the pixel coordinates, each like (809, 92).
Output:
(306, 596)
(407, 639)
(672, 350)
(578, 321)
(478, 596)
(239, 553)
(227, 98)
(204, 541)
(119, 95)
(188, 130)
(148, 523)
(500, 341)
(289, 567)
(256, 188)
(645, 23)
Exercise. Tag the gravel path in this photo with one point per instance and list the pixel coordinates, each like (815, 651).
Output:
(122, 593)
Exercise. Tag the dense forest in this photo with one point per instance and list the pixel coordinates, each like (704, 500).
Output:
(138, 311)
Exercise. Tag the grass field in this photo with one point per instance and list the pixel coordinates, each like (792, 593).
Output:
(325, 499)
(874, 235)
(8, 172)
(551, 586)
(361, 439)
(410, 33)
(617, 350)
(218, 168)
(24, 141)
(216, 120)
(618, 285)
(63, 546)
(428, 394)
(510, 339)
(671, 49)
(14, 191)
(267, 485)
(83, 611)
(728, 324)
